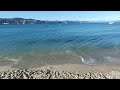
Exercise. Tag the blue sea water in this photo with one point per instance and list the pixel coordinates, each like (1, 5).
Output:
(44, 44)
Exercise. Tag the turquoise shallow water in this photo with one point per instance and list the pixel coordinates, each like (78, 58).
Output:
(44, 44)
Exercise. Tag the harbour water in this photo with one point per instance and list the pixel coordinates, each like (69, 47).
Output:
(44, 44)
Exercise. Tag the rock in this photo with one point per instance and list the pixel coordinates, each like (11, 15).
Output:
(53, 74)
(25, 76)
(113, 75)
(86, 76)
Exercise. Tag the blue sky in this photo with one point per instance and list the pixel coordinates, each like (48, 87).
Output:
(63, 15)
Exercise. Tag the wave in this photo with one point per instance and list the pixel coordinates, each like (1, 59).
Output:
(14, 60)
(86, 59)
(91, 61)
(97, 56)
(105, 60)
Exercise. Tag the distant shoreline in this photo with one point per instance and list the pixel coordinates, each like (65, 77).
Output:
(15, 21)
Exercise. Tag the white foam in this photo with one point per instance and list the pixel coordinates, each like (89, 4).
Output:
(108, 58)
(89, 62)
(68, 51)
(82, 59)
(12, 59)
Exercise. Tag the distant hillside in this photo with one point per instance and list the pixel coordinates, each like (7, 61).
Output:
(27, 21)
(33, 21)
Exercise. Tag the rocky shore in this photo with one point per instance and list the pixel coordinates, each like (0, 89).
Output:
(51, 73)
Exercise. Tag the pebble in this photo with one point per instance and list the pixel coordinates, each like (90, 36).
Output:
(53, 74)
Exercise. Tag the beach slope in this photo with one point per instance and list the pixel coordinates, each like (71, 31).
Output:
(67, 71)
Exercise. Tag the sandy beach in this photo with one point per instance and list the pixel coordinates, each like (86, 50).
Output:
(66, 71)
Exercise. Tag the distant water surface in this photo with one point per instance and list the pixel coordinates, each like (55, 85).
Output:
(44, 44)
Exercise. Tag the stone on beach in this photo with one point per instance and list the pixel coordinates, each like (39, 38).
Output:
(51, 73)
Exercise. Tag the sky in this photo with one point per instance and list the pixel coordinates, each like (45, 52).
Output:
(64, 15)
